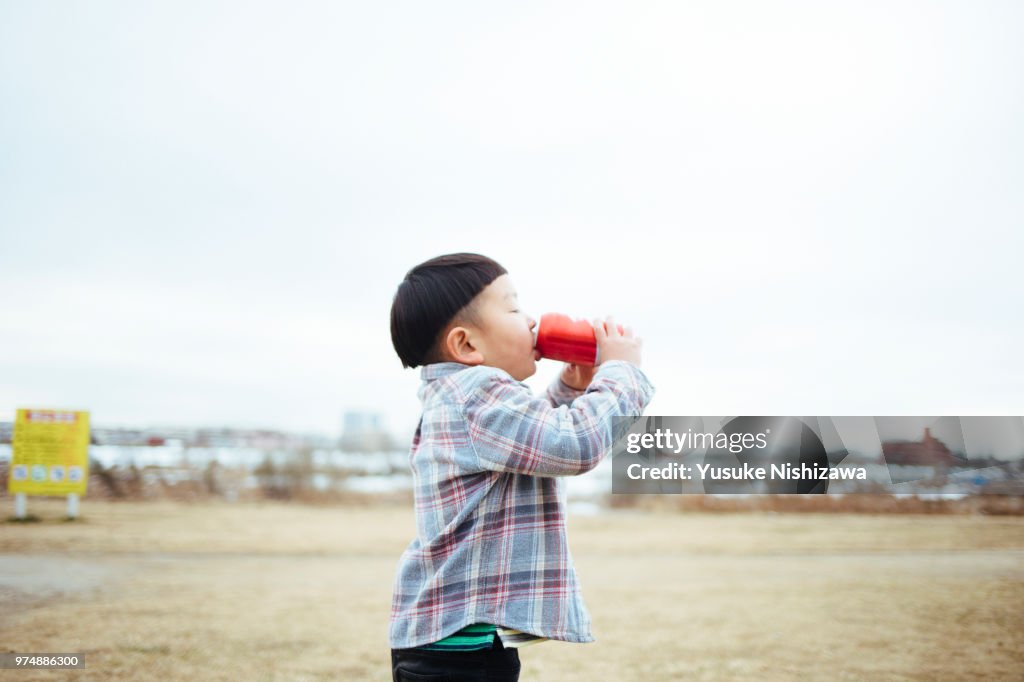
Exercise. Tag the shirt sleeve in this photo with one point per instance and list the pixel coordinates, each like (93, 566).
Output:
(511, 430)
(559, 393)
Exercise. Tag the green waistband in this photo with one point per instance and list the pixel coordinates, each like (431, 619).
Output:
(469, 638)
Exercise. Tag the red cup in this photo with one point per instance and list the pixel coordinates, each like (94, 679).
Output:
(559, 337)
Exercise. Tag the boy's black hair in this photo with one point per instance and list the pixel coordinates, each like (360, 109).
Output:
(430, 297)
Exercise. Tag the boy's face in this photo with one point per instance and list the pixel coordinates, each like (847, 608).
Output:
(502, 338)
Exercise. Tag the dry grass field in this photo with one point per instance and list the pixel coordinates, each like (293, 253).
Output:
(270, 591)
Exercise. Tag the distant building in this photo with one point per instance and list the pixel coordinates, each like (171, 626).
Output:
(364, 432)
(929, 451)
(263, 439)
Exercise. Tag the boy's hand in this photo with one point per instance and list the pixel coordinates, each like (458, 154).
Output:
(614, 345)
(578, 376)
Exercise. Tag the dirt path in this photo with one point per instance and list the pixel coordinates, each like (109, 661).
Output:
(285, 593)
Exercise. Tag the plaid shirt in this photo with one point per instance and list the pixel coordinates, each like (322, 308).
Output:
(491, 542)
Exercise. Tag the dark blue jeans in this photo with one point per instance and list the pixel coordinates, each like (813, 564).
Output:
(496, 664)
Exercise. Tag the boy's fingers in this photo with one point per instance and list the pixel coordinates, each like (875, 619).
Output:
(599, 330)
(627, 331)
(612, 329)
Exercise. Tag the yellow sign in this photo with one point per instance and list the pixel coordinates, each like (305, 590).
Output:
(50, 454)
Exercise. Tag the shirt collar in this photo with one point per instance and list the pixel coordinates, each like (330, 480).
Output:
(441, 369)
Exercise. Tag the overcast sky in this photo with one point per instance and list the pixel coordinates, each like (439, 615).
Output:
(803, 208)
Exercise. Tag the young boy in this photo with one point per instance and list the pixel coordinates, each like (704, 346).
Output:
(490, 570)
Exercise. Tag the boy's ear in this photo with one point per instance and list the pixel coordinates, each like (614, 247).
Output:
(460, 346)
